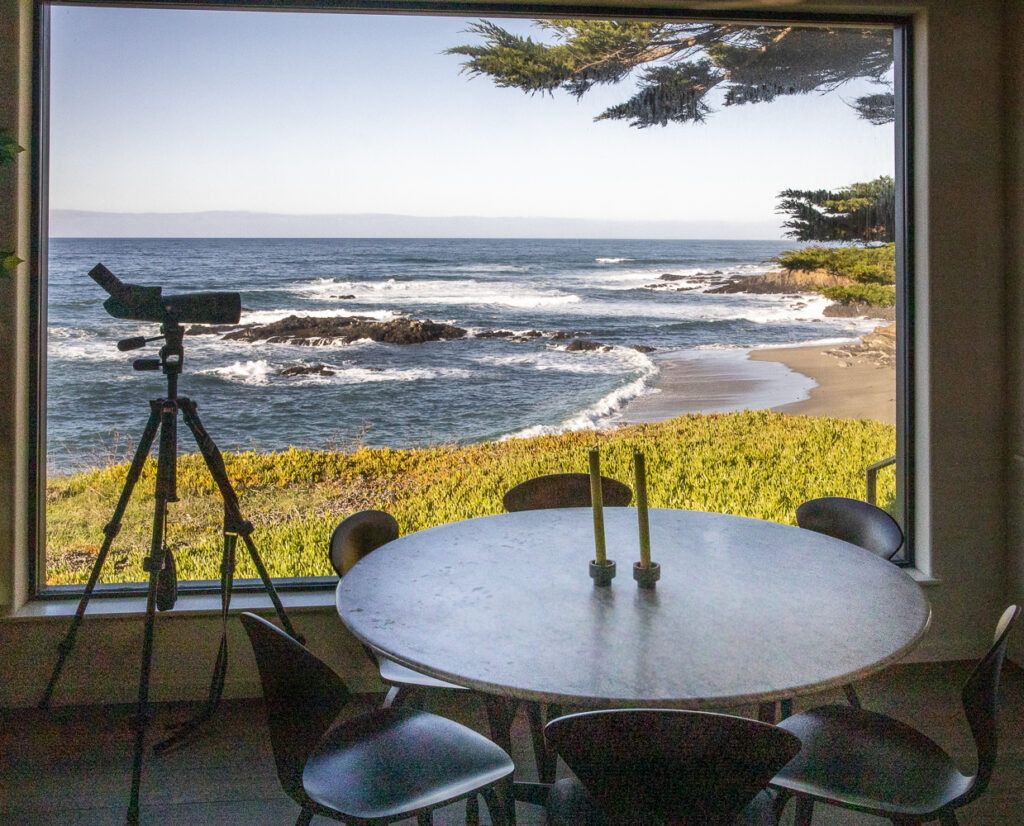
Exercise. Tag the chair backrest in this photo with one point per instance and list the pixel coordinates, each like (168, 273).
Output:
(303, 697)
(357, 535)
(854, 521)
(564, 490)
(661, 766)
(979, 696)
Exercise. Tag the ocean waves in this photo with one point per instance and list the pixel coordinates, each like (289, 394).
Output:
(524, 303)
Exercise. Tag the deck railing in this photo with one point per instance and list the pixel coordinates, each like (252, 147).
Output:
(871, 478)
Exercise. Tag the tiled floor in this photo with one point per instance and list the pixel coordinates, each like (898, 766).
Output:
(72, 766)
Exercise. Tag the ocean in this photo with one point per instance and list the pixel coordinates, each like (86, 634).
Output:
(622, 294)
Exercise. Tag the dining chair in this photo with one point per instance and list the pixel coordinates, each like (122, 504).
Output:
(663, 766)
(564, 490)
(859, 523)
(872, 763)
(352, 539)
(557, 490)
(374, 768)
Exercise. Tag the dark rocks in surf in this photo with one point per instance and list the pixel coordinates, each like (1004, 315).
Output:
(213, 329)
(643, 348)
(512, 335)
(313, 331)
(581, 345)
(307, 370)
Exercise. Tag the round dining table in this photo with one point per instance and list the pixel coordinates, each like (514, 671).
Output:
(745, 610)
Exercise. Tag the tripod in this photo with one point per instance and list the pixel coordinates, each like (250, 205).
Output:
(163, 417)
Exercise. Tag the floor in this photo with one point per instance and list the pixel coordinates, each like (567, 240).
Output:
(72, 765)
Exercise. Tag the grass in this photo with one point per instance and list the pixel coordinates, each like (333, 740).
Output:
(752, 463)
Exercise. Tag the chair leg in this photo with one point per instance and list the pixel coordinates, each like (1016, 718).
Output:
(785, 708)
(472, 810)
(305, 816)
(851, 695)
(495, 806)
(804, 810)
(543, 756)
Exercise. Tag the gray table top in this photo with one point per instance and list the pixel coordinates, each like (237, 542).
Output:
(745, 611)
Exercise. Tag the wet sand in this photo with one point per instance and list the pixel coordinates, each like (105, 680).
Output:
(799, 380)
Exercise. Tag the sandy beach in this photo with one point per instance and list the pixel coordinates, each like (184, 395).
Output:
(804, 380)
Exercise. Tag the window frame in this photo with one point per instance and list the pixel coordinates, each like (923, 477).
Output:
(903, 60)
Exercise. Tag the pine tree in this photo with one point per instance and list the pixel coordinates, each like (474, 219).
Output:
(859, 212)
(680, 65)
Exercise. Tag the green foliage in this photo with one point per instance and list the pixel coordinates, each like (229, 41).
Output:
(877, 295)
(758, 464)
(9, 150)
(858, 212)
(865, 265)
(679, 65)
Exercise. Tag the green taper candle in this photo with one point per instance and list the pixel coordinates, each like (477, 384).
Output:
(640, 474)
(597, 499)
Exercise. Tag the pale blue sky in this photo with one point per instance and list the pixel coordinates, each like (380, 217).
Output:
(181, 111)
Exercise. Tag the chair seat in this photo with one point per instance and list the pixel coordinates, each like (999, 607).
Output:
(869, 762)
(568, 804)
(395, 674)
(354, 770)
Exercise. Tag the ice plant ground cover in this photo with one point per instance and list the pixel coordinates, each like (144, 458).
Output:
(749, 463)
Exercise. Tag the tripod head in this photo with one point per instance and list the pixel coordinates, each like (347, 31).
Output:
(149, 304)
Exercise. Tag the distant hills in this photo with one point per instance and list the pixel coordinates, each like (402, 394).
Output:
(71, 223)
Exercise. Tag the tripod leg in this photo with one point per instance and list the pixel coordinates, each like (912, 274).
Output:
(165, 490)
(220, 668)
(233, 521)
(110, 531)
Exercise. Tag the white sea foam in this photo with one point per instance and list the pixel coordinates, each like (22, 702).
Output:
(463, 291)
(268, 316)
(261, 372)
(69, 344)
(612, 260)
(618, 359)
(598, 415)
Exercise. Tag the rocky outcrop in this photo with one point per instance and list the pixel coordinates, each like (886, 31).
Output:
(584, 345)
(307, 370)
(878, 347)
(860, 309)
(782, 281)
(313, 331)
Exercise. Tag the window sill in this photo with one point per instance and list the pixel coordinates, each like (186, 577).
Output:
(187, 604)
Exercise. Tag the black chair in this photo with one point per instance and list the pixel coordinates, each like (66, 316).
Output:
(353, 538)
(564, 490)
(374, 768)
(660, 766)
(872, 763)
(859, 523)
(557, 490)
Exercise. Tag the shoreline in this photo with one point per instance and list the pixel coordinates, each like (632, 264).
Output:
(799, 380)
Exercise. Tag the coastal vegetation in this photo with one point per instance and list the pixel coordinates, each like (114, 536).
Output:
(871, 271)
(750, 463)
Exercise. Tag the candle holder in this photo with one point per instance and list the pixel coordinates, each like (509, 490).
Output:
(602, 572)
(646, 577)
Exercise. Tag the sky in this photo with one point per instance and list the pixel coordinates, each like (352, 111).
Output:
(172, 111)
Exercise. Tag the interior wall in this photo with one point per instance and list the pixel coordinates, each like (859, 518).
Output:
(962, 315)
